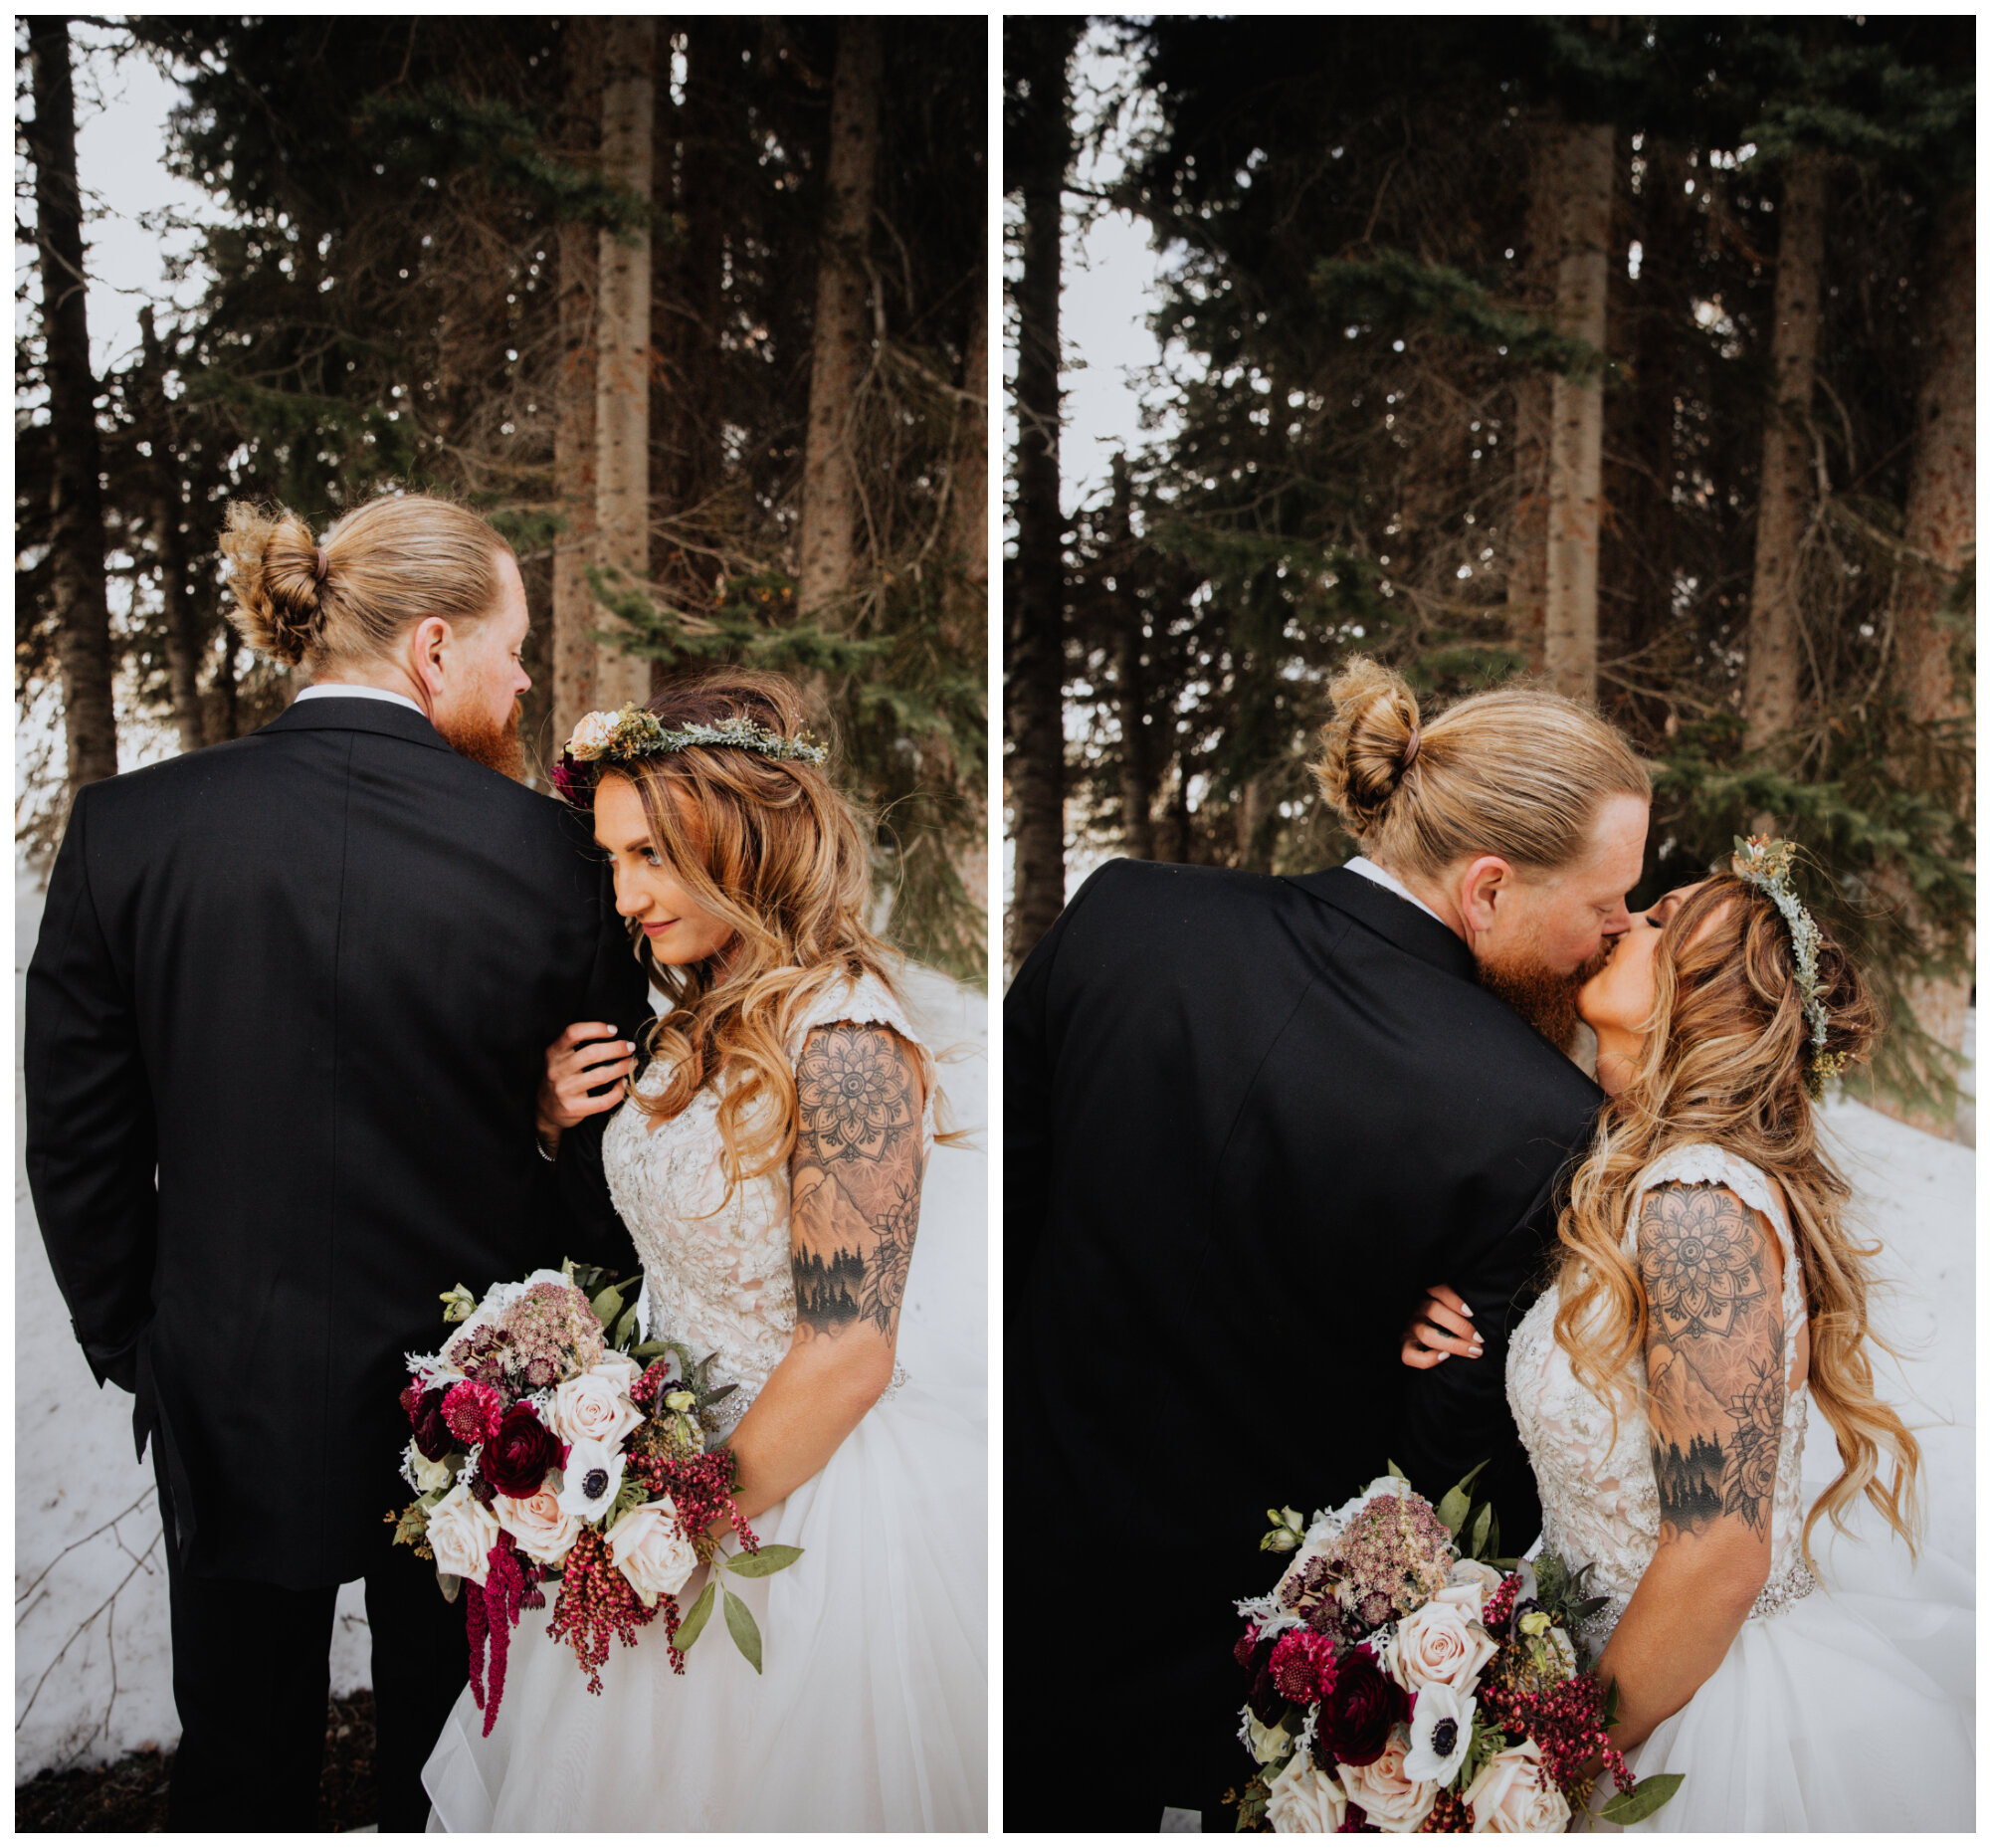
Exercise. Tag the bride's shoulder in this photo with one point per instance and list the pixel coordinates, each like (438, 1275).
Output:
(852, 997)
(1699, 1168)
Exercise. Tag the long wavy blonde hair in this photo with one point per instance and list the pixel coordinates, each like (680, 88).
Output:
(1724, 1062)
(776, 850)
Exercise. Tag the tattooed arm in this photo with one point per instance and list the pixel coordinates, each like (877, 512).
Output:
(858, 1163)
(1711, 1270)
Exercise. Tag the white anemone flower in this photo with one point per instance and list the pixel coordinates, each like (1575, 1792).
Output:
(1440, 1733)
(591, 1480)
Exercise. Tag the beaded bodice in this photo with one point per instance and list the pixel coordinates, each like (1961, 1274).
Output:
(716, 1271)
(1599, 1497)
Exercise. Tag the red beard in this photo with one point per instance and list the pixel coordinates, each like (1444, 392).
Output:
(1543, 996)
(494, 745)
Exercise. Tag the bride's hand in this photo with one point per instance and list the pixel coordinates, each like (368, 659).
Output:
(1441, 1326)
(587, 1055)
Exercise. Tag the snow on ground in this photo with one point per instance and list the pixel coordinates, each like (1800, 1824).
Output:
(92, 1663)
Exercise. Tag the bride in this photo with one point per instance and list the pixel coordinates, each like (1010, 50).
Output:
(768, 1165)
(1708, 1295)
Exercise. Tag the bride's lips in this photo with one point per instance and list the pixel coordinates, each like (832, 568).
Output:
(657, 929)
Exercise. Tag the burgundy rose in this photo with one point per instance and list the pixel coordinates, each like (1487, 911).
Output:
(517, 1458)
(1246, 1650)
(424, 1409)
(1360, 1708)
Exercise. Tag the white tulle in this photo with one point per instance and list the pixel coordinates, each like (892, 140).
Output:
(1845, 1707)
(872, 1711)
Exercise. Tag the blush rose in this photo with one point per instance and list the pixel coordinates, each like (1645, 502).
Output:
(1512, 1795)
(1395, 1803)
(543, 1529)
(1439, 1646)
(461, 1533)
(651, 1551)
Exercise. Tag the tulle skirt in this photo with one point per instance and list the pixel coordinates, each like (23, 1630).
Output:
(1852, 1709)
(872, 1712)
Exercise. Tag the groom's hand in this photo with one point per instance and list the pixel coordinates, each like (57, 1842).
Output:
(587, 1055)
(1441, 1325)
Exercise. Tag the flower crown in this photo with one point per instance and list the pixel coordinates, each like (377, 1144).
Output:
(633, 733)
(1765, 865)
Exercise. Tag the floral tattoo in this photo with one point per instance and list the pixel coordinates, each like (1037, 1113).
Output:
(1714, 1353)
(857, 1164)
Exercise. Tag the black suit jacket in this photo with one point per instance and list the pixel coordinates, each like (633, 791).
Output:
(285, 1024)
(1248, 1120)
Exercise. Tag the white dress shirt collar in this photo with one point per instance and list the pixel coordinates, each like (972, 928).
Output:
(1389, 882)
(342, 690)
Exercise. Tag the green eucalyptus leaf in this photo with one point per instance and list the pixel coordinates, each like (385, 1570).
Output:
(695, 1619)
(764, 1563)
(746, 1633)
(625, 1329)
(1482, 1528)
(1455, 1507)
(607, 1306)
(1651, 1796)
(1396, 1470)
(1610, 1704)
(450, 1585)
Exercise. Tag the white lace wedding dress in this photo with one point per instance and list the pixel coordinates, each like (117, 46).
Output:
(872, 1712)
(1843, 1706)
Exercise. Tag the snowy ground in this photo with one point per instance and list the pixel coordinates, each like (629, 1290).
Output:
(92, 1670)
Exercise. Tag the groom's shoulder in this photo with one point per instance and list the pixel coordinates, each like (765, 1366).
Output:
(1162, 889)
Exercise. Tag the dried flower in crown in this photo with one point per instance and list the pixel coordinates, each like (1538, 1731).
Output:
(1765, 865)
(633, 733)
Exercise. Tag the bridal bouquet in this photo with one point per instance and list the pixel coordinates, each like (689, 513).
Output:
(550, 1446)
(1403, 1680)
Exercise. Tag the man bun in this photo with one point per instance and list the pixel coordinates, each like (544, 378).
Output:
(278, 591)
(1369, 744)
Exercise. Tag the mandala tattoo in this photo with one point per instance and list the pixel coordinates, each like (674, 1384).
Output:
(853, 1093)
(1703, 1259)
(858, 1166)
(1714, 1353)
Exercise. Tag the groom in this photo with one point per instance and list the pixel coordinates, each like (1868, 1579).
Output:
(284, 1028)
(1248, 1120)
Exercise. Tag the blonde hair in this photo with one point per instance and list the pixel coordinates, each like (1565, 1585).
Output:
(1520, 772)
(1724, 1062)
(347, 597)
(773, 848)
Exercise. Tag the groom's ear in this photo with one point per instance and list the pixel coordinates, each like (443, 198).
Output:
(1485, 880)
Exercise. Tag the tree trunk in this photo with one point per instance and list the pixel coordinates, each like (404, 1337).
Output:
(185, 642)
(1771, 685)
(1941, 524)
(574, 611)
(842, 331)
(1036, 649)
(77, 575)
(1136, 768)
(622, 365)
(966, 604)
(1534, 399)
(1575, 436)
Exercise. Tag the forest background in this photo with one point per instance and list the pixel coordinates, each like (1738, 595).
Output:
(695, 311)
(1635, 356)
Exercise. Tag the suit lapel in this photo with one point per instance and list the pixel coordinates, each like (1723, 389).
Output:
(1395, 920)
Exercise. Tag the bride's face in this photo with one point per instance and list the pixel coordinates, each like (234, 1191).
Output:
(680, 930)
(1617, 999)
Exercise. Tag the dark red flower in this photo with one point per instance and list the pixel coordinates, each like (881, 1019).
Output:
(1360, 1708)
(515, 1460)
(1303, 1666)
(1247, 1648)
(424, 1409)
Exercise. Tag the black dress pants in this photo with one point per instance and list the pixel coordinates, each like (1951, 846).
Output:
(252, 1675)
